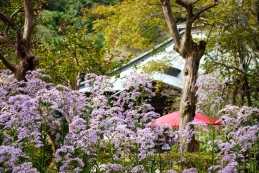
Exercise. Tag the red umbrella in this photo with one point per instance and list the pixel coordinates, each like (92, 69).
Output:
(172, 119)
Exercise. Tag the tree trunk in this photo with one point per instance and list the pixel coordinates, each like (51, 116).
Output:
(23, 48)
(245, 87)
(234, 94)
(27, 63)
(192, 53)
(188, 101)
(246, 91)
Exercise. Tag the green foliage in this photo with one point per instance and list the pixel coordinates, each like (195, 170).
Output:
(37, 155)
(233, 41)
(60, 14)
(68, 44)
(159, 66)
(76, 53)
(201, 161)
(76, 5)
(139, 24)
(174, 148)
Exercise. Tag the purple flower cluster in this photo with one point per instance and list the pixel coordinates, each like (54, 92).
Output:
(237, 145)
(190, 170)
(113, 168)
(36, 114)
(137, 81)
(209, 94)
(146, 140)
(81, 129)
(10, 160)
(241, 139)
(31, 110)
(97, 85)
(117, 121)
(138, 169)
(25, 167)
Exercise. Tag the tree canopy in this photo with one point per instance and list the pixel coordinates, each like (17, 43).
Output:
(233, 39)
(63, 39)
(69, 44)
(139, 24)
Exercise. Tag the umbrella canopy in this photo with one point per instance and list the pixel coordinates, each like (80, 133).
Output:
(173, 119)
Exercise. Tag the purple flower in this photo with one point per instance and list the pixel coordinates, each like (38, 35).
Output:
(72, 164)
(209, 93)
(138, 169)
(113, 168)
(10, 157)
(190, 170)
(231, 167)
(214, 168)
(67, 150)
(25, 167)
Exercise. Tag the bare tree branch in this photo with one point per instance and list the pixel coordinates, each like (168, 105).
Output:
(11, 17)
(7, 64)
(186, 39)
(183, 3)
(203, 9)
(29, 21)
(8, 21)
(21, 9)
(171, 22)
(5, 42)
(187, 6)
(254, 56)
(233, 67)
(195, 2)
